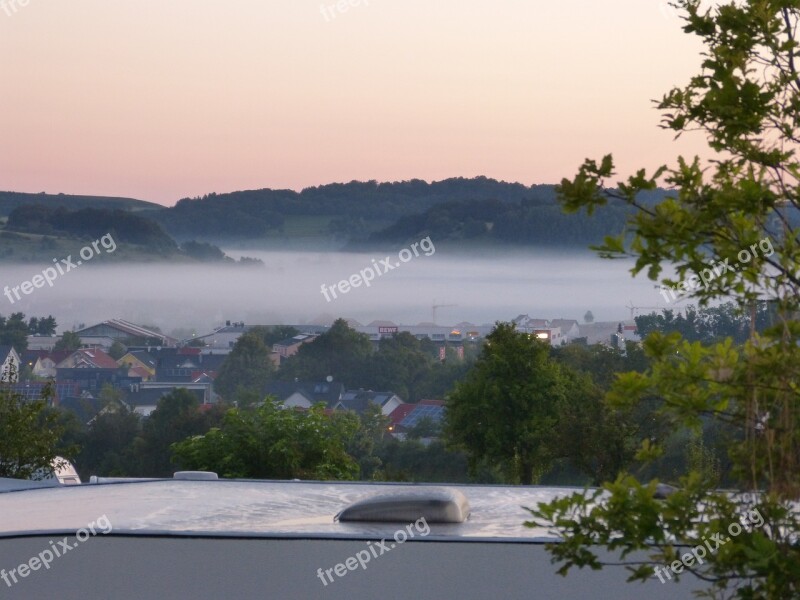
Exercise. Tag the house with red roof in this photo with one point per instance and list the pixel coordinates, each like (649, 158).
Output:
(88, 358)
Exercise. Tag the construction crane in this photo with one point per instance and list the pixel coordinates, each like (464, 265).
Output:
(435, 307)
(634, 308)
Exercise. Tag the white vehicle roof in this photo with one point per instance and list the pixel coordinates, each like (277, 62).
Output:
(257, 508)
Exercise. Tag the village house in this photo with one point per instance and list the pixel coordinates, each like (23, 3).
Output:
(10, 364)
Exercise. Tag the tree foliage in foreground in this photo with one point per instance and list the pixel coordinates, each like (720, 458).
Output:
(30, 437)
(746, 101)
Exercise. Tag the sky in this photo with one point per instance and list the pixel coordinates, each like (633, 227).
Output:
(161, 100)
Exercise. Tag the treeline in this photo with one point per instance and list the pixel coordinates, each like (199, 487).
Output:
(531, 222)
(253, 213)
(11, 200)
(367, 213)
(709, 324)
(14, 329)
(125, 227)
(409, 367)
(262, 441)
(355, 213)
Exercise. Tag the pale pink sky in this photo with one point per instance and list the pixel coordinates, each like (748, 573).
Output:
(163, 99)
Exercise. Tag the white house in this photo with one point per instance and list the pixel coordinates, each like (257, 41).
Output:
(10, 364)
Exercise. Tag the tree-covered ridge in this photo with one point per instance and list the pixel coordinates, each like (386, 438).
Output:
(370, 212)
(254, 213)
(529, 222)
(38, 231)
(11, 200)
(124, 226)
(355, 213)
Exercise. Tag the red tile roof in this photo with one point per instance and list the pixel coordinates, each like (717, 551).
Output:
(400, 413)
(97, 358)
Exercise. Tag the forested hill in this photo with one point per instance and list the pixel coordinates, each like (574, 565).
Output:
(349, 210)
(360, 214)
(126, 227)
(12, 200)
(530, 222)
(347, 215)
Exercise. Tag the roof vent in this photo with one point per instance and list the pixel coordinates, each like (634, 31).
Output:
(195, 476)
(435, 505)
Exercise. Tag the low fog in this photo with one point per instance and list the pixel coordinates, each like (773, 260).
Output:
(484, 287)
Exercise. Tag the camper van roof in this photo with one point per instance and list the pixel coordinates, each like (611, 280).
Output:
(259, 509)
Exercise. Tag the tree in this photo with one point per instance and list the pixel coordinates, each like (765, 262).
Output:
(340, 352)
(42, 326)
(731, 234)
(411, 460)
(177, 417)
(70, 341)
(274, 333)
(601, 362)
(364, 445)
(425, 428)
(247, 367)
(107, 445)
(273, 442)
(14, 332)
(506, 409)
(402, 364)
(588, 317)
(203, 251)
(29, 436)
(710, 323)
(47, 326)
(117, 350)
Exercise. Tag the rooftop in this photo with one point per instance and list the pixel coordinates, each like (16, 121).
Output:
(256, 509)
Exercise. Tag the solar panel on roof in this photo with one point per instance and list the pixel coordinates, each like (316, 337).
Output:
(434, 413)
